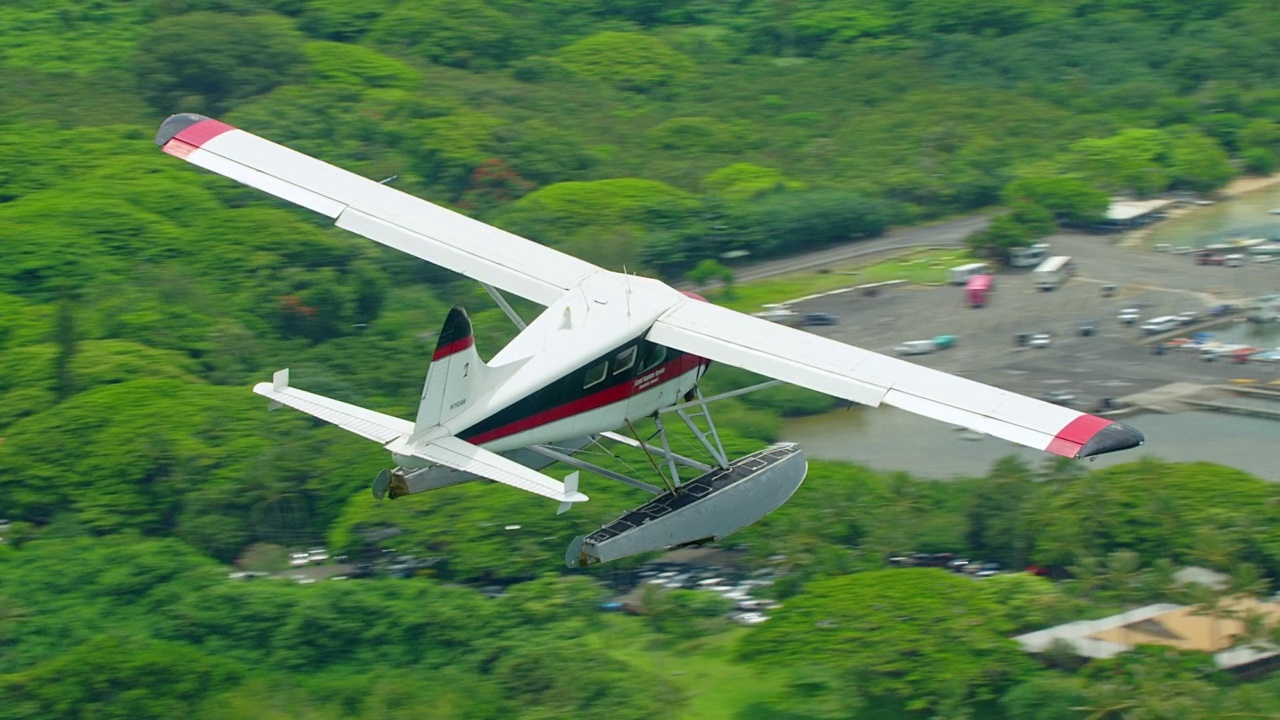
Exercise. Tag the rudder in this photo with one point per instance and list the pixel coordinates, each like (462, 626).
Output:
(455, 369)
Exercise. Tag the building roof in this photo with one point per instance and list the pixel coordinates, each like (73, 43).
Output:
(1130, 209)
(1202, 576)
(1082, 634)
(1181, 626)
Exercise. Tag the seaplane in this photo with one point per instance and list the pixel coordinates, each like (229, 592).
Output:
(609, 350)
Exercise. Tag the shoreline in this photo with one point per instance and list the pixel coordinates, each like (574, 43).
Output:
(1233, 190)
(1247, 184)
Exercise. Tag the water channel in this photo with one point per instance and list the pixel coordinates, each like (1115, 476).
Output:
(1246, 216)
(891, 439)
(886, 438)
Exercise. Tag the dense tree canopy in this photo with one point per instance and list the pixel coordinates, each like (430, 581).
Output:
(140, 298)
(911, 637)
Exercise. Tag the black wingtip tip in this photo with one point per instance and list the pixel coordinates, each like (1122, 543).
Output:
(1112, 438)
(175, 124)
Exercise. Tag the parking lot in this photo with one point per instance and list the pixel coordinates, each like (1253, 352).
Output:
(1113, 362)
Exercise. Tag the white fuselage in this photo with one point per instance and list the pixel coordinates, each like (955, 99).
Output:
(580, 368)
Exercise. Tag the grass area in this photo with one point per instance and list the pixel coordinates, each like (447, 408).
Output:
(714, 685)
(923, 268)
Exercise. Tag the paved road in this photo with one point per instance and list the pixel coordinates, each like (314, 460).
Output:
(945, 233)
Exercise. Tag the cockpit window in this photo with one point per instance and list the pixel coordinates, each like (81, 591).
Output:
(653, 357)
(625, 360)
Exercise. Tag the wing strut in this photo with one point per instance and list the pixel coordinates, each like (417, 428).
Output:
(671, 484)
(710, 439)
(506, 306)
(722, 396)
(581, 464)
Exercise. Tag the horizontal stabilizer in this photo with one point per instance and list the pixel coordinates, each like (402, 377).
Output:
(364, 422)
(462, 455)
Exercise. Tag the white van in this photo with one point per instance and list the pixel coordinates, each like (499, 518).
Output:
(960, 274)
(1028, 256)
(1233, 260)
(1164, 323)
(1053, 271)
(780, 315)
(916, 347)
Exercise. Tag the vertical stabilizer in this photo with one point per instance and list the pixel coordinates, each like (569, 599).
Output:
(456, 374)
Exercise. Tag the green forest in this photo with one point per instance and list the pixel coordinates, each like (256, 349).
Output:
(140, 298)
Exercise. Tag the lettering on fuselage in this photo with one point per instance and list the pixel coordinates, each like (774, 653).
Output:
(648, 380)
(458, 404)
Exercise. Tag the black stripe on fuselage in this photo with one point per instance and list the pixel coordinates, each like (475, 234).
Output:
(569, 387)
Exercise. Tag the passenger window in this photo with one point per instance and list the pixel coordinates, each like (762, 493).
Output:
(624, 360)
(596, 374)
(653, 357)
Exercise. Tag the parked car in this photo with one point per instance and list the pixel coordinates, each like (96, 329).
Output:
(1040, 340)
(1233, 260)
(1059, 397)
(1129, 316)
(988, 569)
(1087, 328)
(916, 347)
(820, 318)
(1188, 317)
(1164, 323)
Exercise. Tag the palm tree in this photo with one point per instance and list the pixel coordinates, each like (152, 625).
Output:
(1123, 576)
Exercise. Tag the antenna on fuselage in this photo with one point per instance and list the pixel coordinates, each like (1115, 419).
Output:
(627, 292)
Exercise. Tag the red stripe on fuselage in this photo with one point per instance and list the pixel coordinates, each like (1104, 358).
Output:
(587, 403)
(1071, 438)
(453, 347)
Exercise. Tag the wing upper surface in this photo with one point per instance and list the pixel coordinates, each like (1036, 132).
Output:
(376, 211)
(870, 378)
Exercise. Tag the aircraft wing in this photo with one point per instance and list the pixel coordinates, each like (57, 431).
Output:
(870, 378)
(376, 211)
(366, 423)
(462, 455)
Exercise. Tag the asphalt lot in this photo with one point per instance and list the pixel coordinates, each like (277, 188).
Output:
(1113, 362)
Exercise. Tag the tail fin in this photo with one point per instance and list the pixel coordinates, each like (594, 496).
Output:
(456, 369)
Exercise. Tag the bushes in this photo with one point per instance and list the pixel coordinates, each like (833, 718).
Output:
(790, 222)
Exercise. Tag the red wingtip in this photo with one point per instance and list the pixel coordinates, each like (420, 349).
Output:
(202, 132)
(182, 134)
(1090, 435)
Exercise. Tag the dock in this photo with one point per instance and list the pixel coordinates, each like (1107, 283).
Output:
(1171, 398)
(1179, 397)
(1251, 410)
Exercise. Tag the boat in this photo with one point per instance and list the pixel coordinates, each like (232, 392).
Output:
(1264, 309)
(1266, 247)
(1238, 243)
